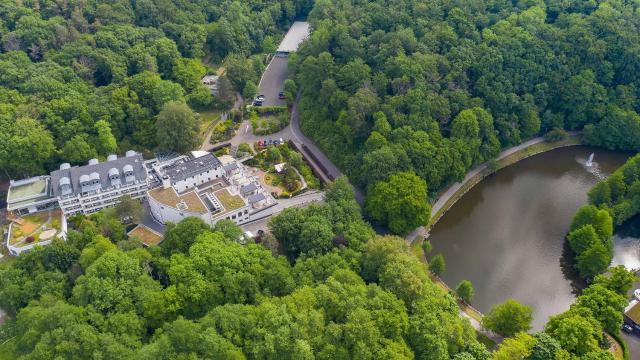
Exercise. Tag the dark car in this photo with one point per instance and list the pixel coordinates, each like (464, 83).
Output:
(627, 328)
(281, 95)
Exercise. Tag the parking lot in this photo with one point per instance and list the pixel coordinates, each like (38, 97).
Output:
(272, 82)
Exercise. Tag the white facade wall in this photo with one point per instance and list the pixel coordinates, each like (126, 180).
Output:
(198, 179)
(239, 216)
(88, 204)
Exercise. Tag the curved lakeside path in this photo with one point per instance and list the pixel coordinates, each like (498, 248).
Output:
(452, 191)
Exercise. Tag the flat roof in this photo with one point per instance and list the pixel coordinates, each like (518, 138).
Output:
(27, 190)
(228, 201)
(294, 37)
(181, 170)
(170, 198)
(633, 312)
(146, 235)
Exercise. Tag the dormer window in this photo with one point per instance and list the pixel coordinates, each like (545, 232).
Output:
(114, 176)
(65, 186)
(128, 173)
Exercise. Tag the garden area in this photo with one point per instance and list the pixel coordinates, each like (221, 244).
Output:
(285, 170)
(35, 228)
(268, 119)
(223, 131)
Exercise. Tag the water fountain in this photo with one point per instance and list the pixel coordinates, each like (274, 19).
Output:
(592, 167)
(589, 162)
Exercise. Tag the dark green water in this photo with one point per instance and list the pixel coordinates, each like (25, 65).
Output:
(506, 235)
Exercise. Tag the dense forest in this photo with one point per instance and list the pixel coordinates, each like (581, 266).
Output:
(82, 79)
(404, 95)
(338, 292)
(200, 295)
(437, 87)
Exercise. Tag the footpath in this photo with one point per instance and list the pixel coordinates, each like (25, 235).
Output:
(443, 203)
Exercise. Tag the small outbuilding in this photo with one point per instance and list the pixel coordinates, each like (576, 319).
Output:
(632, 315)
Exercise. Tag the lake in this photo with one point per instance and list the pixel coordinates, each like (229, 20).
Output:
(506, 234)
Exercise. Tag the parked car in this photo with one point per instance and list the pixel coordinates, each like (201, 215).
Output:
(627, 328)
(281, 95)
(258, 100)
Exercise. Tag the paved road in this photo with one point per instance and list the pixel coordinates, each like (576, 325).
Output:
(149, 221)
(451, 191)
(633, 343)
(294, 133)
(272, 81)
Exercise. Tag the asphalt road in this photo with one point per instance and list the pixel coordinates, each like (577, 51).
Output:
(272, 81)
(633, 343)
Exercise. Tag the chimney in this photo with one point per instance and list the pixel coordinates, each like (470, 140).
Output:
(166, 183)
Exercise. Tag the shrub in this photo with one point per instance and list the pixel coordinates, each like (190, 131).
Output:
(464, 290)
(30, 239)
(554, 135)
(437, 264)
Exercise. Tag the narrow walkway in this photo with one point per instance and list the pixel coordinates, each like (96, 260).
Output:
(223, 117)
(453, 189)
(476, 325)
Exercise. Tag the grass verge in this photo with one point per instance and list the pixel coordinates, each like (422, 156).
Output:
(621, 351)
(208, 119)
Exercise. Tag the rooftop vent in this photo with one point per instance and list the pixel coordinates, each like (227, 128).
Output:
(93, 161)
(112, 157)
(130, 153)
(65, 166)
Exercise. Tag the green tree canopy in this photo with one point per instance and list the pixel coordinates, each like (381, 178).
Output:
(177, 128)
(508, 318)
(399, 203)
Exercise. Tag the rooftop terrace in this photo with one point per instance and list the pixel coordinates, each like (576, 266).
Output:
(27, 189)
(229, 202)
(184, 202)
(146, 235)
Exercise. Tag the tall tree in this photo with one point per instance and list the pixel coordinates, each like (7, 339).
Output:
(508, 318)
(400, 202)
(177, 128)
